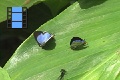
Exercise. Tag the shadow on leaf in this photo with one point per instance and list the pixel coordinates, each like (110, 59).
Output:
(50, 45)
(84, 4)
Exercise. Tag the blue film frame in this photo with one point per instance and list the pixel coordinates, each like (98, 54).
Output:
(17, 17)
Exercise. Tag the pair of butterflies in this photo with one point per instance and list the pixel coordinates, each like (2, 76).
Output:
(43, 37)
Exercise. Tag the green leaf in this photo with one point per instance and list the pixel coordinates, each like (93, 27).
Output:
(4, 75)
(98, 25)
(56, 5)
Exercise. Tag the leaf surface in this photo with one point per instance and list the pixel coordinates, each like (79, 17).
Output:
(4, 75)
(98, 25)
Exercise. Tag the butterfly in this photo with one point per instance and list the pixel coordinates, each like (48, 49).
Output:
(77, 42)
(63, 72)
(42, 37)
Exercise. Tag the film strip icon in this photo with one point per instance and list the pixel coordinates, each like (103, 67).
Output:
(16, 17)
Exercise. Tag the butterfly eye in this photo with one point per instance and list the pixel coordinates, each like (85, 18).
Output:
(42, 37)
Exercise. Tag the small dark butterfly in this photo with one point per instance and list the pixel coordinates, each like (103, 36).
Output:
(63, 72)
